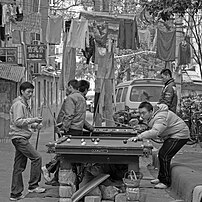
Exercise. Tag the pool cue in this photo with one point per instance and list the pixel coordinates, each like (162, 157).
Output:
(38, 130)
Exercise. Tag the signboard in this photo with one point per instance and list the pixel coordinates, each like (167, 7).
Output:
(9, 55)
(36, 52)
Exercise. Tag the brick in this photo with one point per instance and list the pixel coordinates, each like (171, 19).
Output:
(120, 197)
(107, 201)
(95, 192)
(65, 200)
(66, 191)
(67, 177)
(92, 199)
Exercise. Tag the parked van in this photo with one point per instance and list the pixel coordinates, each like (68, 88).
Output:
(130, 94)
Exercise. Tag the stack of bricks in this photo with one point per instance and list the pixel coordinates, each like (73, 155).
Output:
(67, 185)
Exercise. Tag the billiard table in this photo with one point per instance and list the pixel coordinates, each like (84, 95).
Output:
(104, 150)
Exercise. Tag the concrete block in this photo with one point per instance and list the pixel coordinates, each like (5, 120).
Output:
(65, 200)
(92, 199)
(120, 197)
(66, 191)
(67, 177)
(95, 192)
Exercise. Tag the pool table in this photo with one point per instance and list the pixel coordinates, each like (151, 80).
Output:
(105, 150)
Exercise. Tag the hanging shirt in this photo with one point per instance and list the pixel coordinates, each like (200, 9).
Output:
(104, 59)
(54, 30)
(144, 37)
(78, 34)
(184, 53)
(101, 34)
(128, 34)
(166, 45)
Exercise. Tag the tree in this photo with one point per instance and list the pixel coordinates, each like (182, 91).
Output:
(191, 13)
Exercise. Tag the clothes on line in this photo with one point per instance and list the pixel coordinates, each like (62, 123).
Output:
(128, 35)
(54, 30)
(78, 34)
(166, 45)
(184, 52)
(145, 37)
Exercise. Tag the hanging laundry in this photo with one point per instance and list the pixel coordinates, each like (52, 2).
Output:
(184, 52)
(54, 30)
(145, 37)
(89, 51)
(166, 45)
(128, 34)
(78, 34)
(68, 63)
(101, 34)
(104, 59)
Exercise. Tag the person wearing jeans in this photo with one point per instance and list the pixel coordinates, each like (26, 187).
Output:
(166, 125)
(21, 125)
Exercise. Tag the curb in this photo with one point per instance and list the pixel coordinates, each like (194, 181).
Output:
(185, 180)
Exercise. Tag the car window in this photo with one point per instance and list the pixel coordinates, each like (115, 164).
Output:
(145, 93)
(123, 99)
(118, 95)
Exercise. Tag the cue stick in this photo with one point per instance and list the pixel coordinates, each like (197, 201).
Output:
(38, 131)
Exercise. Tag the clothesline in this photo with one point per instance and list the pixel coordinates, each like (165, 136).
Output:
(132, 54)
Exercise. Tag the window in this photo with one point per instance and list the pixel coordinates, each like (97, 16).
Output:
(44, 93)
(51, 92)
(39, 94)
(35, 38)
(118, 95)
(145, 93)
(123, 99)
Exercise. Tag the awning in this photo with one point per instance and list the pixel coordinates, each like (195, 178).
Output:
(12, 72)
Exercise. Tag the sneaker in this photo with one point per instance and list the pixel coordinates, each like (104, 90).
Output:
(160, 186)
(16, 198)
(45, 173)
(155, 181)
(37, 190)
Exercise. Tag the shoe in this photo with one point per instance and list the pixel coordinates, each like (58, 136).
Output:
(53, 183)
(17, 198)
(45, 173)
(160, 186)
(37, 190)
(155, 181)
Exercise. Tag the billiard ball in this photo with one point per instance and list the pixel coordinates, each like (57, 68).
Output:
(125, 141)
(93, 139)
(82, 140)
(69, 136)
(68, 140)
(95, 142)
(97, 139)
(83, 143)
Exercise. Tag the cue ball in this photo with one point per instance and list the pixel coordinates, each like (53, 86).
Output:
(68, 140)
(95, 142)
(97, 139)
(93, 139)
(125, 141)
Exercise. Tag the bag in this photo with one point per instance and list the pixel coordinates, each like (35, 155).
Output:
(132, 179)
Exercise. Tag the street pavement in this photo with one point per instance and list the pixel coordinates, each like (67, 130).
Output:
(189, 156)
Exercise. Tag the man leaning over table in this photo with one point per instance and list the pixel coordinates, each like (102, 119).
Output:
(174, 132)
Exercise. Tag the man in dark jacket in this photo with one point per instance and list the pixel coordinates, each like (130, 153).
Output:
(169, 93)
